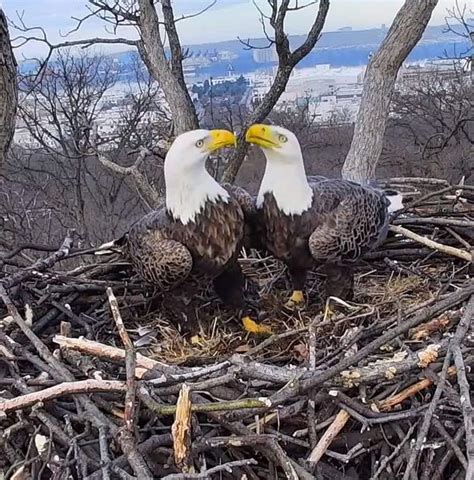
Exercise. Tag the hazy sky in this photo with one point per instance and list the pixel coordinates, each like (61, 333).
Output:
(226, 20)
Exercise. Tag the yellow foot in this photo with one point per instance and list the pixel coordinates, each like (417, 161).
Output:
(253, 327)
(296, 299)
(197, 340)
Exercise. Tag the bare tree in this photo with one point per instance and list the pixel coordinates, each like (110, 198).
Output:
(435, 118)
(8, 89)
(68, 121)
(156, 25)
(381, 74)
(287, 60)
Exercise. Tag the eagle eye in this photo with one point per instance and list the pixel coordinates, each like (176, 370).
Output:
(282, 138)
(199, 143)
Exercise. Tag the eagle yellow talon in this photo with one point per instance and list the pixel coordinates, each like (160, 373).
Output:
(253, 327)
(297, 298)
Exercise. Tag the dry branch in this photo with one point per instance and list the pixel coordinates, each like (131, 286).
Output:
(329, 435)
(63, 389)
(106, 352)
(455, 252)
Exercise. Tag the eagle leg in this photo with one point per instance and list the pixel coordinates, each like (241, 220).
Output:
(229, 286)
(339, 281)
(298, 279)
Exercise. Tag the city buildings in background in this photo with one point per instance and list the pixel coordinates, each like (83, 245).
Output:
(329, 92)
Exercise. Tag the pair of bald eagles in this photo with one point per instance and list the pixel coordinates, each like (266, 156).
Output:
(303, 221)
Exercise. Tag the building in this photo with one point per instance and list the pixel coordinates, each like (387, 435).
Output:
(265, 55)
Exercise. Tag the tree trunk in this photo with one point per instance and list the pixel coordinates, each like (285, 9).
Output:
(405, 32)
(168, 73)
(8, 89)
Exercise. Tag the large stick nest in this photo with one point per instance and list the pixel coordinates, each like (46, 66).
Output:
(104, 377)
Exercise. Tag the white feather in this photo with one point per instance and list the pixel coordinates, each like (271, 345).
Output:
(285, 177)
(396, 203)
(188, 184)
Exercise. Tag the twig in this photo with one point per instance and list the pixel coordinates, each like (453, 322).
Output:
(456, 252)
(427, 418)
(395, 452)
(40, 265)
(99, 350)
(451, 442)
(66, 388)
(130, 361)
(408, 392)
(181, 429)
(461, 331)
(104, 454)
(443, 463)
(222, 406)
(126, 436)
(227, 467)
(329, 435)
(464, 387)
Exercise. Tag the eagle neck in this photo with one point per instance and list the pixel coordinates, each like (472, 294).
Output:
(188, 192)
(288, 183)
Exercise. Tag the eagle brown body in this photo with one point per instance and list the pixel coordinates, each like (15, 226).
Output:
(344, 221)
(166, 252)
(314, 221)
(198, 234)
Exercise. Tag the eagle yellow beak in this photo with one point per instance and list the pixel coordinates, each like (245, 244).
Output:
(262, 135)
(220, 139)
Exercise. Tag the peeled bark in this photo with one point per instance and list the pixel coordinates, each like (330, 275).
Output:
(405, 32)
(8, 89)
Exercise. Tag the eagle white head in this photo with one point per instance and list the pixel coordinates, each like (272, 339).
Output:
(285, 174)
(188, 184)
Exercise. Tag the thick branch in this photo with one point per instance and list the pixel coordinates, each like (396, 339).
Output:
(171, 78)
(148, 193)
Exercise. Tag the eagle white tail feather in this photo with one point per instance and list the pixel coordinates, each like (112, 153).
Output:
(396, 202)
(104, 248)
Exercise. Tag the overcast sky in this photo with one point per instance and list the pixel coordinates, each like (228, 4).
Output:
(226, 20)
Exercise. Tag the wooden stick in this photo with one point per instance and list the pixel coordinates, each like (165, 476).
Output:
(455, 252)
(130, 360)
(329, 435)
(107, 352)
(65, 388)
(342, 417)
(126, 437)
(408, 392)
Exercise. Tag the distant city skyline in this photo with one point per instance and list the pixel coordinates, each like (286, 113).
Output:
(226, 20)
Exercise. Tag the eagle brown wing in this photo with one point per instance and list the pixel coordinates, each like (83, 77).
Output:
(155, 256)
(349, 220)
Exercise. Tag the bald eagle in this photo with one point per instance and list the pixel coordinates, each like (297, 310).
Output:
(307, 221)
(197, 235)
